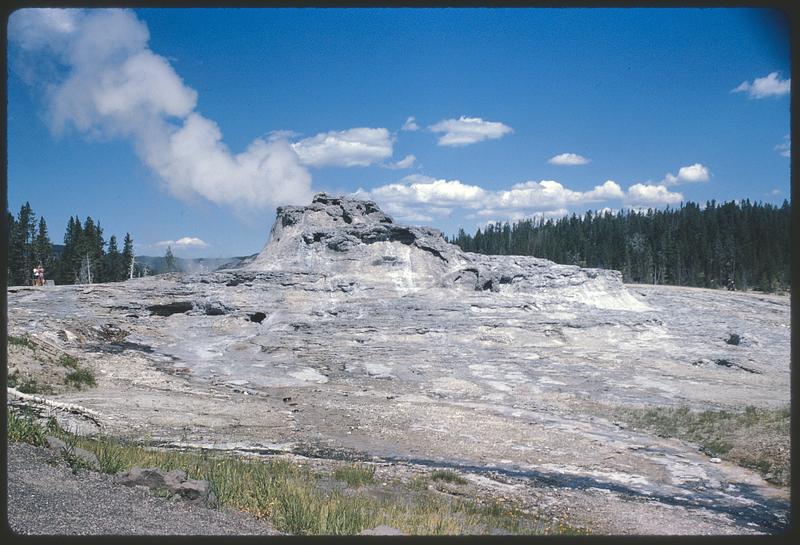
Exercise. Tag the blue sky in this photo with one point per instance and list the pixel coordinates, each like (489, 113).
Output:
(189, 126)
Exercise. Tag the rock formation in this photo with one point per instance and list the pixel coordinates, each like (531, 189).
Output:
(349, 240)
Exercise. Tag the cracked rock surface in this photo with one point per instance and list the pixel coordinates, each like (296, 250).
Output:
(351, 336)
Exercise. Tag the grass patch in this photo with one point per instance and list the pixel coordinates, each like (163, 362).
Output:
(23, 428)
(21, 341)
(754, 438)
(355, 475)
(27, 384)
(289, 495)
(68, 361)
(448, 476)
(80, 377)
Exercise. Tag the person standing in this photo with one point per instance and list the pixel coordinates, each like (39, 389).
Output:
(35, 277)
(40, 270)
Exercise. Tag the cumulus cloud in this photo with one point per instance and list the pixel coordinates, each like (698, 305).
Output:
(423, 190)
(568, 159)
(785, 147)
(646, 194)
(410, 124)
(549, 193)
(405, 162)
(689, 174)
(360, 146)
(468, 130)
(768, 86)
(421, 198)
(184, 242)
(103, 80)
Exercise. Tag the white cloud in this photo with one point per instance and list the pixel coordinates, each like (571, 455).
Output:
(410, 124)
(769, 86)
(405, 162)
(689, 174)
(185, 242)
(360, 146)
(568, 159)
(429, 191)
(516, 215)
(642, 194)
(468, 130)
(109, 83)
(774, 193)
(785, 147)
(421, 198)
(549, 193)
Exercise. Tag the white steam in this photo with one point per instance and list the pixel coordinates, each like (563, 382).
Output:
(102, 79)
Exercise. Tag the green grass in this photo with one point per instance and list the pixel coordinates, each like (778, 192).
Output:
(68, 361)
(23, 428)
(27, 384)
(21, 341)
(355, 475)
(448, 476)
(754, 438)
(81, 377)
(290, 497)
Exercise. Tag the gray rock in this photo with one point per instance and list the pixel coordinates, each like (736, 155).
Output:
(354, 244)
(175, 482)
(61, 448)
(54, 443)
(87, 457)
(382, 530)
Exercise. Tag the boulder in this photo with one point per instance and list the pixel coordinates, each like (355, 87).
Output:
(57, 445)
(174, 482)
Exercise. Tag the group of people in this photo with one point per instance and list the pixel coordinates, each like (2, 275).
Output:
(38, 275)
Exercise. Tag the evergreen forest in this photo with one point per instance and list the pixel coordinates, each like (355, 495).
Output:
(85, 257)
(736, 245)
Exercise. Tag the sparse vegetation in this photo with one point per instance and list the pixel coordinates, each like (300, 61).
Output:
(80, 377)
(754, 438)
(68, 361)
(448, 476)
(289, 496)
(23, 428)
(21, 341)
(355, 475)
(26, 384)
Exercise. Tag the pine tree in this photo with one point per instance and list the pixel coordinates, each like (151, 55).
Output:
(114, 266)
(43, 248)
(169, 261)
(11, 227)
(128, 256)
(21, 248)
(70, 262)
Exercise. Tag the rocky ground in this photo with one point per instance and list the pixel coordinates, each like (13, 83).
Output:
(363, 340)
(46, 497)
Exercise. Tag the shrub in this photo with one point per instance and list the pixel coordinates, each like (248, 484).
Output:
(21, 341)
(355, 475)
(448, 476)
(68, 361)
(81, 376)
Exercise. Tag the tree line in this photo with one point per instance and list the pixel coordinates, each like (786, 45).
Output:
(84, 258)
(736, 245)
